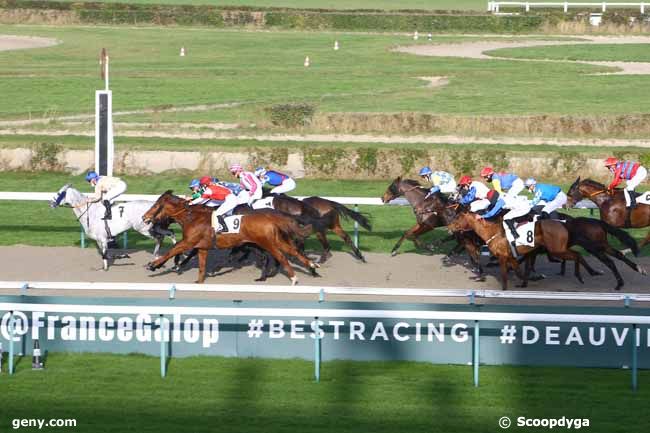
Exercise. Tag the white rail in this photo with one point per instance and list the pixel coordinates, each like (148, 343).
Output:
(494, 6)
(320, 291)
(372, 201)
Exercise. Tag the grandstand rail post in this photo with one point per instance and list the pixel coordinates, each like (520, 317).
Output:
(634, 359)
(163, 352)
(83, 238)
(317, 350)
(125, 240)
(476, 351)
(356, 228)
(11, 343)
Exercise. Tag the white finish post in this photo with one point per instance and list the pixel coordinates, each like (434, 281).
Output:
(642, 8)
(496, 7)
(604, 7)
(566, 7)
(527, 7)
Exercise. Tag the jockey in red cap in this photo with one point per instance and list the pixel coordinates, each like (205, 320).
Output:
(633, 172)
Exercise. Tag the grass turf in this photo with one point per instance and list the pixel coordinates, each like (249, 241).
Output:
(125, 393)
(261, 68)
(603, 52)
(41, 226)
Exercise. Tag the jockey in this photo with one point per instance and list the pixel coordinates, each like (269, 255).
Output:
(473, 193)
(550, 197)
(280, 182)
(249, 182)
(633, 172)
(214, 194)
(107, 189)
(442, 181)
(195, 187)
(517, 208)
(507, 183)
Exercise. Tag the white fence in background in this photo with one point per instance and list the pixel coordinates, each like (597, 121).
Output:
(495, 6)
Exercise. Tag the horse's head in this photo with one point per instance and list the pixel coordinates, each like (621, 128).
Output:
(161, 209)
(393, 191)
(60, 196)
(574, 195)
(461, 223)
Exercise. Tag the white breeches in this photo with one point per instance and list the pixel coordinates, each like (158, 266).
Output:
(641, 174)
(478, 205)
(228, 205)
(115, 192)
(286, 186)
(555, 204)
(517, 187)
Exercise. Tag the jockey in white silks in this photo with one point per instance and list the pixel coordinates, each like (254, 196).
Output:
(107, 189)
(473, 193)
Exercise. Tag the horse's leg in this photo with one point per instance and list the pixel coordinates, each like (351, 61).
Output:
(576, 258)
(290, 249)
(503, 268)
(528, 260)
(412, 234)
(102, 247)
(343, 235)
(184, 245)
(178, 267)
(612, 266)
(277, 255)
(404, 236)
(645, 241)
(322, 238)
(203, 261)
(622, 257)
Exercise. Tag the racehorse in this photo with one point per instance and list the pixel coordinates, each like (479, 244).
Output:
(611, 205)
(126, 216)
(591, 234)
(551, 235)
(324, 215)
(272, 231)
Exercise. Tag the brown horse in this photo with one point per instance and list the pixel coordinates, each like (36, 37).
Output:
(550, 235)
(611, 205)
(269, 230)
(323, 215)
(431, 212)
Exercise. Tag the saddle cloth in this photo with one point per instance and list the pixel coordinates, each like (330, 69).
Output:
(526, 232)
(233, 223)
(644, 198)
(263, 203)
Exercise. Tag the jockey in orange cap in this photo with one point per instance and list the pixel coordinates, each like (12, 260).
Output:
(473, 193)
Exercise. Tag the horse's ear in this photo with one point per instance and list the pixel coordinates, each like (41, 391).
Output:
(399, 178)
(168, 192)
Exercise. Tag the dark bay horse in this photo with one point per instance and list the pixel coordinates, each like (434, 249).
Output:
(611, 205)
(324, 215)
(271, 231)
(550, 235)
(431, 212)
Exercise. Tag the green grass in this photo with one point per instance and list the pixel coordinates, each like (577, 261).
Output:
(109, 393)
(262, 68)
(602, 52)
(78, 142)
(41, 226)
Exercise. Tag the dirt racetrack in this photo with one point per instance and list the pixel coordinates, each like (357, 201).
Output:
(24, 263)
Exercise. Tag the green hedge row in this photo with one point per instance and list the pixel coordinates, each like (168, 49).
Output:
(444, 21)
(403, 22)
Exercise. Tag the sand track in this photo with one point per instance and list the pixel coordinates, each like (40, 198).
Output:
(12, 42)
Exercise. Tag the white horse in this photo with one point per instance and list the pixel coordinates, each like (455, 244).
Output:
(125, 216)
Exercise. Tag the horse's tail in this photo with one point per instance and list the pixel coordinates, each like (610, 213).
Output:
(622, 236)
(349, 213)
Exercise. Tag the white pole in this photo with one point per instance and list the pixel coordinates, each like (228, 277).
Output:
(642, 8)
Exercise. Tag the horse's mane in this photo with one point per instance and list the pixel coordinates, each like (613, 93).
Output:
(413, 183)
(593, 183)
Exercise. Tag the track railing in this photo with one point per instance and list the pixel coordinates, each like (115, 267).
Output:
(495, 6)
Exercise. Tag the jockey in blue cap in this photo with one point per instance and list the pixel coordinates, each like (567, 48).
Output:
(550, 197)
(280, 182)
(107, 189)
(442, 181)
(195, 186)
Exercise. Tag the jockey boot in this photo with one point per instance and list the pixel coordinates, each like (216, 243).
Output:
(511, 226)
(632, 199)
(545, 216)
(108, 215)
(222, 223)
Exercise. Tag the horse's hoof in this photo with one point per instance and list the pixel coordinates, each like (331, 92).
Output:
(314, 265)
(477, 278)
(150, 267)
(260, 279)
(537, 277)
(393, 253)
(642, 271)
(294, 280)
(315, 274)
